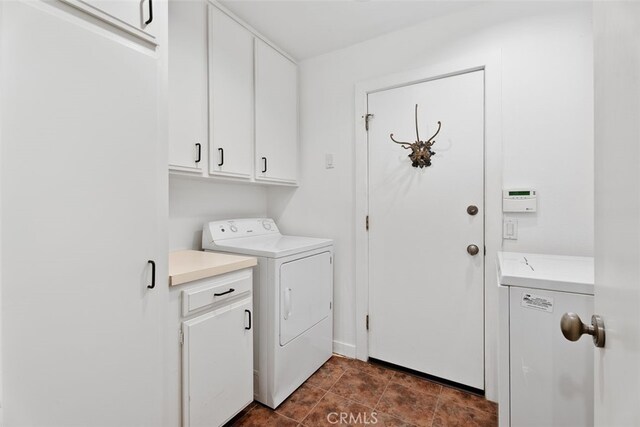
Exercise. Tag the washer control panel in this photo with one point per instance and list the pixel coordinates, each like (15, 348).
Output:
(236, 228)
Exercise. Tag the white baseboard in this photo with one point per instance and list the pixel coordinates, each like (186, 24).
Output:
(344, 349)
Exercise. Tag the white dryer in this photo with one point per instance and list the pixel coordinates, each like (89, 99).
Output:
(293, 301)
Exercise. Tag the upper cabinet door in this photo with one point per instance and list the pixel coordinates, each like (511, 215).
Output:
(188, 117)
(276, 116)
(133, 16)
(230, 96)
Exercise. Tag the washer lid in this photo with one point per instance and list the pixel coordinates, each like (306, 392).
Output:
(270, 246)
(550, 272)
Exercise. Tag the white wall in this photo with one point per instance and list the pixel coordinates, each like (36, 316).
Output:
(547, 104)
(194, 202)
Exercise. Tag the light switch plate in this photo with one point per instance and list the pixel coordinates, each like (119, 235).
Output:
(328, 161)
(510, 229)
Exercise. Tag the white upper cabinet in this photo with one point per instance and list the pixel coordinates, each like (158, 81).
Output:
(233, 98)
(276, 115)
(133, 16)
(188, 100)
(230, 96)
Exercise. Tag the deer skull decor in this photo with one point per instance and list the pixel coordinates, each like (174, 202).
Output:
(420, 150)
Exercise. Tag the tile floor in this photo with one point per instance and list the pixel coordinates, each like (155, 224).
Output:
(373, 395)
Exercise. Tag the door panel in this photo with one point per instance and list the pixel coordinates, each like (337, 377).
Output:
(135, 13)
(617, 214)
(231, 96)
(82, 333)
(426, 292)
(188, 97)
(218, 365)
(276, 115)
(305, 294)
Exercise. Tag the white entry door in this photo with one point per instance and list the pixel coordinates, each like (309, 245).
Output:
(617, 214)
(426, 291)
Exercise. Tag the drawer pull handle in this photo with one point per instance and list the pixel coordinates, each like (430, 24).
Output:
(249, 313)
(224, 293)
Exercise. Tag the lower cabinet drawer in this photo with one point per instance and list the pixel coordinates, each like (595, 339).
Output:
(216, 292)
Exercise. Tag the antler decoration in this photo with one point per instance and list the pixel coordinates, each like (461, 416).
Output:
(420, 150)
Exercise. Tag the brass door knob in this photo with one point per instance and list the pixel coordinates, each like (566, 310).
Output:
(573, 328)
(472, 210)
(473, 250)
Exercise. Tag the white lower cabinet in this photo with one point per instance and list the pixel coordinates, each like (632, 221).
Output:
(217, 352)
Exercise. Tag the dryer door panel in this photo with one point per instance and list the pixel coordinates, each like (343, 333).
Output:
(305, 294)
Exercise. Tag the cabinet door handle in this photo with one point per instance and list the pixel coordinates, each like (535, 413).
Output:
(249, 313)
(224, 293)
(221, 151)
(264, 159)
(199, 147)
(148, 21)
(153, 274)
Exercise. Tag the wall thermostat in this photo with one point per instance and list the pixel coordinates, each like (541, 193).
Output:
(519, 200)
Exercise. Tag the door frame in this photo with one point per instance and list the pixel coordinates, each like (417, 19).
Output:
(491, 63)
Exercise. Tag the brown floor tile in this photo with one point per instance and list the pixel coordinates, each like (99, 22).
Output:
(343, 363)
(386, 420)
(372, 369)
(325, 377)
(300, 403)
(449, 414)
(329, 410)
(261, 416)
(360, 387)
(246, 410)
(409, 404)
(468, 400)
(421, 384)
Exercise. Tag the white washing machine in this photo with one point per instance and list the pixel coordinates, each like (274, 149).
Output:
(293, 301)
(544, 380)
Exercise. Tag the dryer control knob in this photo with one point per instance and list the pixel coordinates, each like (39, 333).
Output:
(266, 225)
(233, 228)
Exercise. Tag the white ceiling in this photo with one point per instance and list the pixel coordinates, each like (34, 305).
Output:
(306, 28)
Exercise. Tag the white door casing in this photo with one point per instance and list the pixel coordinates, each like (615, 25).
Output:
(426, 293)
(81, 155)
(617, 211)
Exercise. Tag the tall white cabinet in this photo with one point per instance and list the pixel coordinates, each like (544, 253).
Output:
(83, 211)
(246, 106)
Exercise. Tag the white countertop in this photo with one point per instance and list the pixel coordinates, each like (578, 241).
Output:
(187, 266)
(551, 272)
